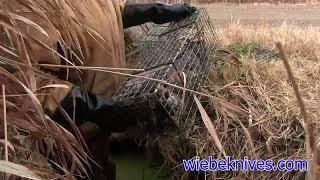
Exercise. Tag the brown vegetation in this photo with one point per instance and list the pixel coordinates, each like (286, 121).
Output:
(233, 1)
(255, 111)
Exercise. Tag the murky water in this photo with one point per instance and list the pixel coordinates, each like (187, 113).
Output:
(132, 164)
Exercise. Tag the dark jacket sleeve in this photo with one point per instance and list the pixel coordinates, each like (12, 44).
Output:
(137, 14)
(86, 106)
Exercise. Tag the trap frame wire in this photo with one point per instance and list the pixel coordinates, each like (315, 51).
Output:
(169, 53)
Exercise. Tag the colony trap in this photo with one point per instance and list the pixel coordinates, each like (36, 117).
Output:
(174, 56)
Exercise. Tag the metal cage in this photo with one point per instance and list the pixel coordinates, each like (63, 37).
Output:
(173, 56)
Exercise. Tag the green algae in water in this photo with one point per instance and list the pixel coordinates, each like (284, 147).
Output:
(133, 165)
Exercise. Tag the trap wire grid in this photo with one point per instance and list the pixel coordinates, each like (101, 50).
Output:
(170, 52)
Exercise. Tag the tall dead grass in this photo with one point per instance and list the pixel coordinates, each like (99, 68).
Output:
(261, 1)
(254, 111)
(257, 114)
(233, 1)
(32, 145)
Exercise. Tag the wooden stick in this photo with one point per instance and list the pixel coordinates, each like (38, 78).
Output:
(6, 158)
(5, 123)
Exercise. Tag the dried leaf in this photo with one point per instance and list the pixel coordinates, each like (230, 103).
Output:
(28, 21)
(54, 86)
(18, 170)
(210, 127)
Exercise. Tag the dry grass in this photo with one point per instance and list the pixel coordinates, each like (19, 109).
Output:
(29, 138)
(233, 1)
(256, 113)
(261, 1)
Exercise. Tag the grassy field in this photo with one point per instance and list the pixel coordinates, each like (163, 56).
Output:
(274, 127)
(232, 1)
(275, 15)
(258, 1)
(254, 112)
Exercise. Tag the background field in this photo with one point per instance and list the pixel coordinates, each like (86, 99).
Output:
(274, 127)
(251, 79)
(234, 1)
(302, 15)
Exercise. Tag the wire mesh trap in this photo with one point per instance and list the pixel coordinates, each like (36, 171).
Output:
(176, 55)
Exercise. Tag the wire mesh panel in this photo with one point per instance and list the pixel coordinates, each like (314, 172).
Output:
(173, 56)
